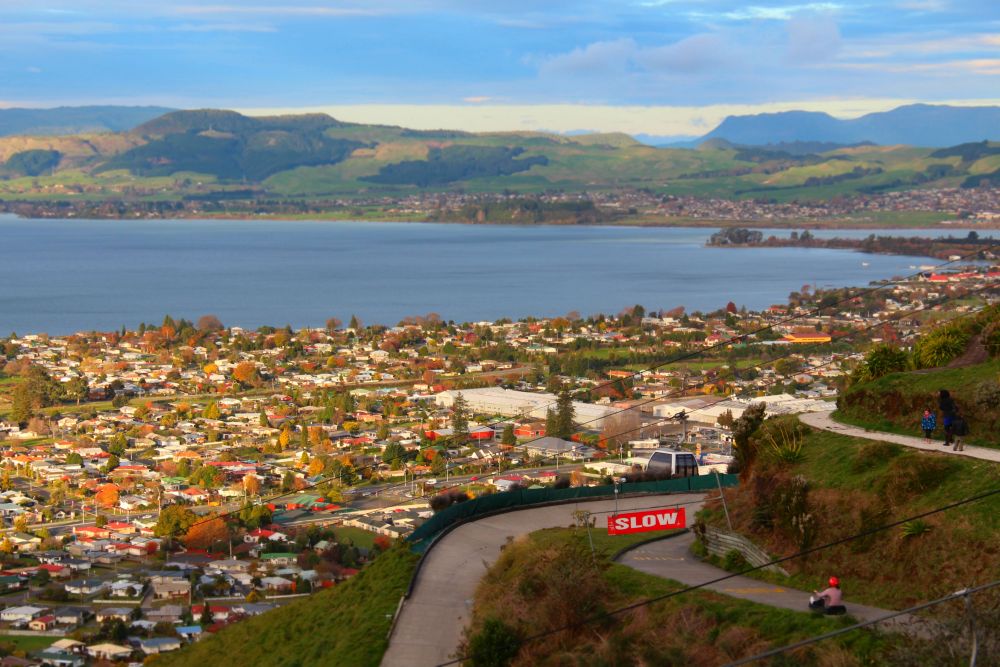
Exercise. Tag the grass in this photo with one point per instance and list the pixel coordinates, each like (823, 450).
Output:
(895, 402)
(27, 643)
(546, 581)
(364, 539)
(858, 484)
(346, 625)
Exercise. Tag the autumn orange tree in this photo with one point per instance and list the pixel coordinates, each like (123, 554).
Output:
(246, 373)
(107, 495)
(251, 485)
(206, 532)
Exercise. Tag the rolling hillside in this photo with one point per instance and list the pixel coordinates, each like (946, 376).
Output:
(208, 154)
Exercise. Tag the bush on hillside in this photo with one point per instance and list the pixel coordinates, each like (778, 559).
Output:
(987, 395)
(447, 499)
(881, 360)
(495, 645)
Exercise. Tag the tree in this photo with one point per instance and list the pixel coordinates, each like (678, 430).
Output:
(316, 467)
(74, 458)
(744, 448)
(617, 429)
(333, 324)
(174, 520)
(206, 532)
(393, 451)
(508, 439)
(251, 485)
(107, 496)
(209, 323)
(211, 411)
(117, 444)
(246, 373)
(21, 523)
(77, 390)
(264, 422)
(355, 323)
(206, 615)
(460, 420)
(439, 464)
(564, 415)
(112, 463)
(551, 425)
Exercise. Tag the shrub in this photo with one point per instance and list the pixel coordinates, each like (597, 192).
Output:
(872, 516)
(915, 528)
(495, 645)
(783, 440)
(942, 345)
(447, 499)
(987, 395)
(881, 360)
(734, 561)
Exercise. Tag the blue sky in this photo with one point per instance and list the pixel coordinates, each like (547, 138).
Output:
(454, 60)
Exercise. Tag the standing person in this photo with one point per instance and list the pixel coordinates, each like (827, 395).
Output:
(959, 429)
(928, 423)
(946, 404)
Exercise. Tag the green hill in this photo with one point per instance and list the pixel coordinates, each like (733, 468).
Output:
(313, 156)
(346, 625)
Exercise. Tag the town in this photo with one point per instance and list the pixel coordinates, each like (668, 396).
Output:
(165, 482)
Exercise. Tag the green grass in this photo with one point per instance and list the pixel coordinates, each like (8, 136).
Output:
(346, 625)
(27, 643)
(360, 537)
(895, 402)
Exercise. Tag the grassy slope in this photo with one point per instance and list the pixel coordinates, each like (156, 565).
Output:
(848, 474)
(346, 625)
(699, 628)
(895, 402)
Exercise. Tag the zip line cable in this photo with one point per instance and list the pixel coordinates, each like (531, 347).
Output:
(776, 561)
(874, 325)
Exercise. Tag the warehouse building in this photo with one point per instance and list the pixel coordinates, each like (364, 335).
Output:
(511, 403)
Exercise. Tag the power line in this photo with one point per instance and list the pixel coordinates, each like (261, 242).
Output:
(941, 301)
(776, 561)
(818, 638)
(811, 313)
(760, 365)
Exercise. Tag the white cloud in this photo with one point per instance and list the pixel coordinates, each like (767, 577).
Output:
(773, 13)
(223, 27)
(479, 99)
(692, 54)
(812, 38)
(596, 58)
(276, 10)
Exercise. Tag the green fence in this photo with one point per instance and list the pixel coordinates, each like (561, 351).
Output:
(524, 497)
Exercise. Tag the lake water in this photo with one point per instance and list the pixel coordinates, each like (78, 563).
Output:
(60, 276)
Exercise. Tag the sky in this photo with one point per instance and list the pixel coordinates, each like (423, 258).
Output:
(658, 67)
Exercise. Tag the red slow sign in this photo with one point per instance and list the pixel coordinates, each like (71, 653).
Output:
(641, 522)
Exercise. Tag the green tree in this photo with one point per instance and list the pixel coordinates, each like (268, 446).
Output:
(174, 521)
(74, 458)
(744, 447)
(117, 444)
(264, 420)
(438, 465)
(551, 423)
(460, 421)
(393, 451)
(564, 415)
(211, 411)
(508, 438)
(77, 390)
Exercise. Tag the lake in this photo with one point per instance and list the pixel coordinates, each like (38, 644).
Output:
(61, 276)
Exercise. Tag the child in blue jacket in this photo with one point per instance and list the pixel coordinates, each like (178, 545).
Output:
(928, 423)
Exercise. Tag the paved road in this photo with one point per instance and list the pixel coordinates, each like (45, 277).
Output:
(672, 559)
(430, 624)
(823, 420)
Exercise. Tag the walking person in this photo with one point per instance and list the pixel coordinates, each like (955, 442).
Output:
(928, 423)
(946, 404)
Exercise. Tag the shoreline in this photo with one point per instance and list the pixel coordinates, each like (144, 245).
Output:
(635, 221)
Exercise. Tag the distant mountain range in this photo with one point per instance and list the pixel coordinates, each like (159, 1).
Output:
(915, 125)
(75, 120)
(212, 154)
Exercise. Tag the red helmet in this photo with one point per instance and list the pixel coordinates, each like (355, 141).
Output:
(834, 581)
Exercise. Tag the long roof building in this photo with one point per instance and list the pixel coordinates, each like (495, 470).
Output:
(511, 403)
